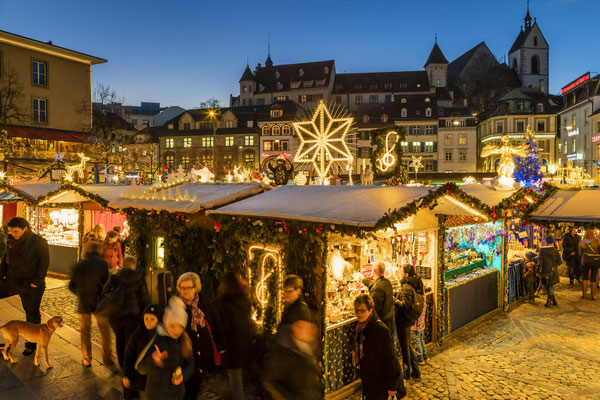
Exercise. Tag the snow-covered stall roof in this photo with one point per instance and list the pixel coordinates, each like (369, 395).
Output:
(361, 206)
(570, 205)
(487, 194)
(106, 192)
(8, 197)
(200, 196)
(34, 190)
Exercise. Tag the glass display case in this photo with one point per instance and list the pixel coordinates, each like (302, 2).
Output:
(59, 226)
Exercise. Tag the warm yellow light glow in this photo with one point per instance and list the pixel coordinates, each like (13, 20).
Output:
(465, 207)
(387, 160)
(506, 166)
(261, 286)
(79, 168)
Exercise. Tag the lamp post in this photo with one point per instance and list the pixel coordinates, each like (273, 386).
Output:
(212, 115)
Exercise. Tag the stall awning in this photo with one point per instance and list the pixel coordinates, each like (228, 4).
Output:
(570, 206)
(35, 190)
(106, 192)
(361, 206)
(487, 194)
(207, 196)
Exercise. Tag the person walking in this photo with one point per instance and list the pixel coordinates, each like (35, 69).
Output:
(135, 297)
(133, 381)
(23, 271)
(570, 247)
(412, 288)
(548, 262)
(167, 361)
(87, 280)
(294, 305)
(203, 327)
(590, 261)
(382, 293)
(235, 310)
(530, 275)
(111, 251)
(373, 351)
(120, 239)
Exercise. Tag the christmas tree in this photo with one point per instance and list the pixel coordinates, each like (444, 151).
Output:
(527, 168)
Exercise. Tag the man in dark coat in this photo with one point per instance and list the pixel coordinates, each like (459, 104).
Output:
(548, 262)
(410, 283)
(23, 271)
(87, 280)
(383, 295)
(571, 254)
(373, 351)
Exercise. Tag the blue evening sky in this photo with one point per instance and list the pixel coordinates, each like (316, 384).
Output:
(183, 52)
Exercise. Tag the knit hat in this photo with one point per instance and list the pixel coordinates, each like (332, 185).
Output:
(155, 310)
(175, 312)
(530, 255)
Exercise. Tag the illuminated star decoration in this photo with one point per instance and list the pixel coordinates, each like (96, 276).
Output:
(416, 164)
(323, 140)
(58, 157)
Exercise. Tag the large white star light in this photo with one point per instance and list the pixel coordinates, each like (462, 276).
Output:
(323, 140)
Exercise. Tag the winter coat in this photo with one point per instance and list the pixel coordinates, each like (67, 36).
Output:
(419, 325)
(158, 379)
(570, 245)
(202, 344)
(293, 312)
(26, 261)
(379, 367)
(138, 340)
(133, 283)
(290, 373)
(2, 243)
(529, 272)
(548, 262)
(238, 329)
(87, 280)
(404, 299)
(383, 296)
(113, 255)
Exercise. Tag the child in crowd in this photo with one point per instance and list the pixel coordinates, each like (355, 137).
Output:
(133, 382)
(167, 360)
(417, 333)
(530, 276)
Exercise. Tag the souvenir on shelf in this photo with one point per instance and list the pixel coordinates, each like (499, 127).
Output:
(59, 226)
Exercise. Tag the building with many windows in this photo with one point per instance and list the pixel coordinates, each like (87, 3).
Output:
(277, 135)
(457, 140)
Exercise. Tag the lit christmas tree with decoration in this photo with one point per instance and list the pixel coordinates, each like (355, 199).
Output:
(527, 168)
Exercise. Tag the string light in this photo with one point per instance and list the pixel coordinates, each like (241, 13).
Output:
(416, 164)
(387, 160)
(261, 285)
(72, 169)
(465, 207)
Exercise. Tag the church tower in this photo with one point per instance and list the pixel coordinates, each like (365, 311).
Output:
(437, 67)
(529, 55)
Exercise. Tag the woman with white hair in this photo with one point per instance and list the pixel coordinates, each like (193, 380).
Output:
(203, 327)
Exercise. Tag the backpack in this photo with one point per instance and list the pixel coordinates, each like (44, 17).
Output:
(413, 313)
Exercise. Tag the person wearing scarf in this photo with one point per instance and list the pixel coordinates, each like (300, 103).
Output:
(373, 352)
(203, 328)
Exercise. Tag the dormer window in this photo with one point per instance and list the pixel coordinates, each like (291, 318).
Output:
(276, 74)
(373, 85)
(427, 99)
(357, 86)
(403, 112)
(418, 112)
(276, 130)
(301, 72)
(276, 113)
(307, 83)
(295, 85)
(320, 82)
(326, 70)
(384, 118)
(520, 106)
(266, 130)
(428, 112)
(365, 119)
(540, 107)
(403, 100)
(279, 86)
(261, 87)
(387, 85)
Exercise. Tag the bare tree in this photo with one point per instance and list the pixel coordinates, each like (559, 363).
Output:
(211, 103)
(13, 111)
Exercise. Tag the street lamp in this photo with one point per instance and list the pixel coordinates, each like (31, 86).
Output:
(212, 116)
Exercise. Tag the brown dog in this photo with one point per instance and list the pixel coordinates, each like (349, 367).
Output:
(36, 333)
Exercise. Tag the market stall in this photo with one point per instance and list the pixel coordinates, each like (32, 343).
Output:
(331, 236)
(8, 206)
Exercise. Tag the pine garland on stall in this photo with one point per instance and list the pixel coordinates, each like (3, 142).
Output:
(527, 169)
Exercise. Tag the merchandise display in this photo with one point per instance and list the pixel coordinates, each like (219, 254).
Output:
(522, 238)
(59, 226)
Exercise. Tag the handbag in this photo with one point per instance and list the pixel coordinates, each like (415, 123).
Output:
(217, 356)
(593, 259)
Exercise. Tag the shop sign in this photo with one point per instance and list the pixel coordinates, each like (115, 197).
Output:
(575, 83)
(56, 174)
(572, 156)
(596, 139)
(573, 132)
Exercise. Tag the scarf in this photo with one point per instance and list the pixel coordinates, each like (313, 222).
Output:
(197, 314)
(359, 340)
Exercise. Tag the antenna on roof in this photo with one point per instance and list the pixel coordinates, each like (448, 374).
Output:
(269, 46)
(436, 38)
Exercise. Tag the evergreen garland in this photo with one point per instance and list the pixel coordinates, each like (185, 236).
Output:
(379, 148)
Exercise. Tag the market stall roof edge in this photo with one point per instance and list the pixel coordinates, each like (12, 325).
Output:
(569, 206)
(30, 191)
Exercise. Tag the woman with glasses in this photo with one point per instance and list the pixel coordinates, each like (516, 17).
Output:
(203, 328)
(374, 353)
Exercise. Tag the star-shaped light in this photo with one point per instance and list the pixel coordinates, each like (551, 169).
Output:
(416, 163)
(323, 140)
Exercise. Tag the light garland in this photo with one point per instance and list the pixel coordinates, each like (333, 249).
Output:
(72, 169)
(323, 136)
(465, 207)
(261, 286)
(387, 160)
(416, 164)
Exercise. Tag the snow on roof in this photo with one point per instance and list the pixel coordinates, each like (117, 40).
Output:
(36, 189)
(570, 205)
(107, 192)
(207, 196)
(487, 194)
(349, 205)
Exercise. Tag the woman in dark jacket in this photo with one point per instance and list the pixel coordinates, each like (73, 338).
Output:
(548, 262)
(374, 352)
(203, 328)
(238, 329)
(136, 297)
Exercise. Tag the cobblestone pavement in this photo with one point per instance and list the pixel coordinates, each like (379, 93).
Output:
(531, 352)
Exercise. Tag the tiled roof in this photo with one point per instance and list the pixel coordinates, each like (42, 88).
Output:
(415, 106)
(366, 82)
(280, 77)
(459, 64)
(436, 56)
(520, 40)
(291, 111)
(248, 75)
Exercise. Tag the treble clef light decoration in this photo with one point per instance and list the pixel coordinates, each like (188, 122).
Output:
(387, 160)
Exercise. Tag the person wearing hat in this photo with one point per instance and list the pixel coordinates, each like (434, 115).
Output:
(133, 382)
(529, 275)
(167, 360)
(548, 262)
(120, 239)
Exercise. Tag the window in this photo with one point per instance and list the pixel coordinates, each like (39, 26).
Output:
(260, 102)
(276, 130)
(574, 119)
(520, 106)
(449, 139)
(514, 63)
(539, 107)
(358, 99)
(598, 127)
(281, 98)
(403, 113)
(586, 143)
(170, 160)
(266, 130)
(403, 100)
(282, 145)
(416, 130)
(535, 42)
(228, 124)
(597, 150)
(428, 112)
(187, 142)
(574, 145)
(303, 98)
(448, 156)
(404, 146)
(229, 141)
(295, 85)
(462, 139)
(388, 98)
(249, 158)
(169, 143)
(535, 64)
(186, 126)
(40, 110)
(301, 72)
(428, 147)
(40, 73)
(268, 145)
(387, 85)
(365, 119)
(357, 86)
(462, 156)
(566, 149)
(248, 140)
(541, 126)
(185, 161)
(207, 141)
(286, 130)
(403, 85)
(373, 99)
(279, 86)
(416, 147)
(326, 69)
(586, 117)
(228, 157)
(373, 85)
(520, 126)
(384, 118)
(429, 129)
(499, 127)
(338, 99)
(429, 165)
(276, 113)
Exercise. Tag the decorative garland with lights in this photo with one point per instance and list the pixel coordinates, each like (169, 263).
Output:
(380, 148)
